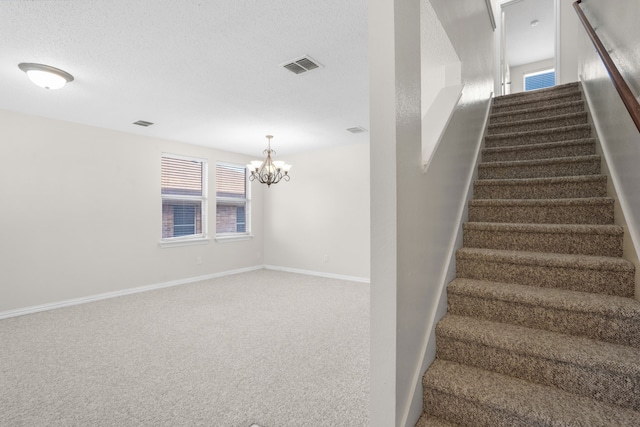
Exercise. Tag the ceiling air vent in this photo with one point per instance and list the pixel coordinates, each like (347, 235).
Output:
(357, 129)
(301, 65)
(142, 123)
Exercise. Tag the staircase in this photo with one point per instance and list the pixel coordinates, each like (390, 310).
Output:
(541, 328)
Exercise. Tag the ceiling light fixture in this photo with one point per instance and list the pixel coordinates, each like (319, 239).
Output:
(46, 76)
(535, 23)
(269, 172)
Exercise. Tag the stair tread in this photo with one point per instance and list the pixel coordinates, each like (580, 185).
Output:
(556, 298)
(540, 343)
(545, 228)
(533, 162)
(546, 91)
(515, 135)
(587, 201)
(539, 146)
(535, 404)
(586, 262)
(544, 180)
(537, 109)
(538, 120)
(525, 98)
(429, 421)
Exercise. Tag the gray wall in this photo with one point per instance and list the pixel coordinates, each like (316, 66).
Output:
(618, 28)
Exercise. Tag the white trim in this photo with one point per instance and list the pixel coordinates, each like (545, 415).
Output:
(451, 250)
(319, 273)
(184, 242)
(108, 295)
(232, 238)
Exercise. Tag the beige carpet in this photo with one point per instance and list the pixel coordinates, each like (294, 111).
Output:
(271, 348)
(541, 328)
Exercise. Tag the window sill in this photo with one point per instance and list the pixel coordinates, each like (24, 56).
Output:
(184, 242)
(233, 238)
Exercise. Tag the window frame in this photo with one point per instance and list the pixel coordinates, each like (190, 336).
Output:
(247, 234)
(191, 239)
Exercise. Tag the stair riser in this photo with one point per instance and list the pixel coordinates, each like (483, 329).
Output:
(598, 384)
(537, 137)
(585, 149)
(540, 125)
(515, 105)
(552, 169)
(461, 411)
(590, 325)
(618, 283)
(564, 190)
(564, 243)
(598, 214)
(537, 114)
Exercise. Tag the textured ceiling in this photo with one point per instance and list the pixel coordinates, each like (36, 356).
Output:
(204, 71)
(525, 43)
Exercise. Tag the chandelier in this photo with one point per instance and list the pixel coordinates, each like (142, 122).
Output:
(269, 172)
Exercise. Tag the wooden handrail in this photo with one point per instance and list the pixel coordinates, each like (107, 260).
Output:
(621, 85)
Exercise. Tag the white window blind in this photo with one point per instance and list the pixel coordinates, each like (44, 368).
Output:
(183, 190)
(232, 199)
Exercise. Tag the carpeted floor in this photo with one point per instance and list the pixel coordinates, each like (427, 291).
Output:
(271, 348)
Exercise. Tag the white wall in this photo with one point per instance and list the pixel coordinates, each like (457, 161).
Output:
(570, 30)
(440, 79)
(415, 216)
(517, 73)
(620, 139)
(319, 220)
(81, 214)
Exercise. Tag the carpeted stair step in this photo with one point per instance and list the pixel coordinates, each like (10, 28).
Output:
(538, 124)
(605, 275)
(570, 187)
(602, 317)
(428, 421)
(578, 147)
(552, 92)
(538, 136)
(596, 240)
(538, 112)
(539, 168)
(474, 397)
(595, 210)
(602, 371)
(500, 106)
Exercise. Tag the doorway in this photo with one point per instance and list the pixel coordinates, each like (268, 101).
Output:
(528, 59)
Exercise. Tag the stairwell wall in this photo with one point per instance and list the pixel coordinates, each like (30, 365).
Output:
(415, 215)
(619, 138)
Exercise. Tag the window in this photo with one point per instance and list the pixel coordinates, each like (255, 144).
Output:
(184, 196)
(539, 80)
(232, 200)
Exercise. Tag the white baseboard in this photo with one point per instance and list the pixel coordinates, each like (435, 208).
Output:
(123, 292)
(319, 273)
(107, 295)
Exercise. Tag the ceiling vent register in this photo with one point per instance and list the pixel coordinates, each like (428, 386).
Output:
(301, 65)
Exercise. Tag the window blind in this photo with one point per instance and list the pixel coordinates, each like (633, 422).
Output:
(181, 176)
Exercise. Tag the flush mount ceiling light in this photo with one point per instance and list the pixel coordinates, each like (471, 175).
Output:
(535, 23)
(269, 172)
(46, 76)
